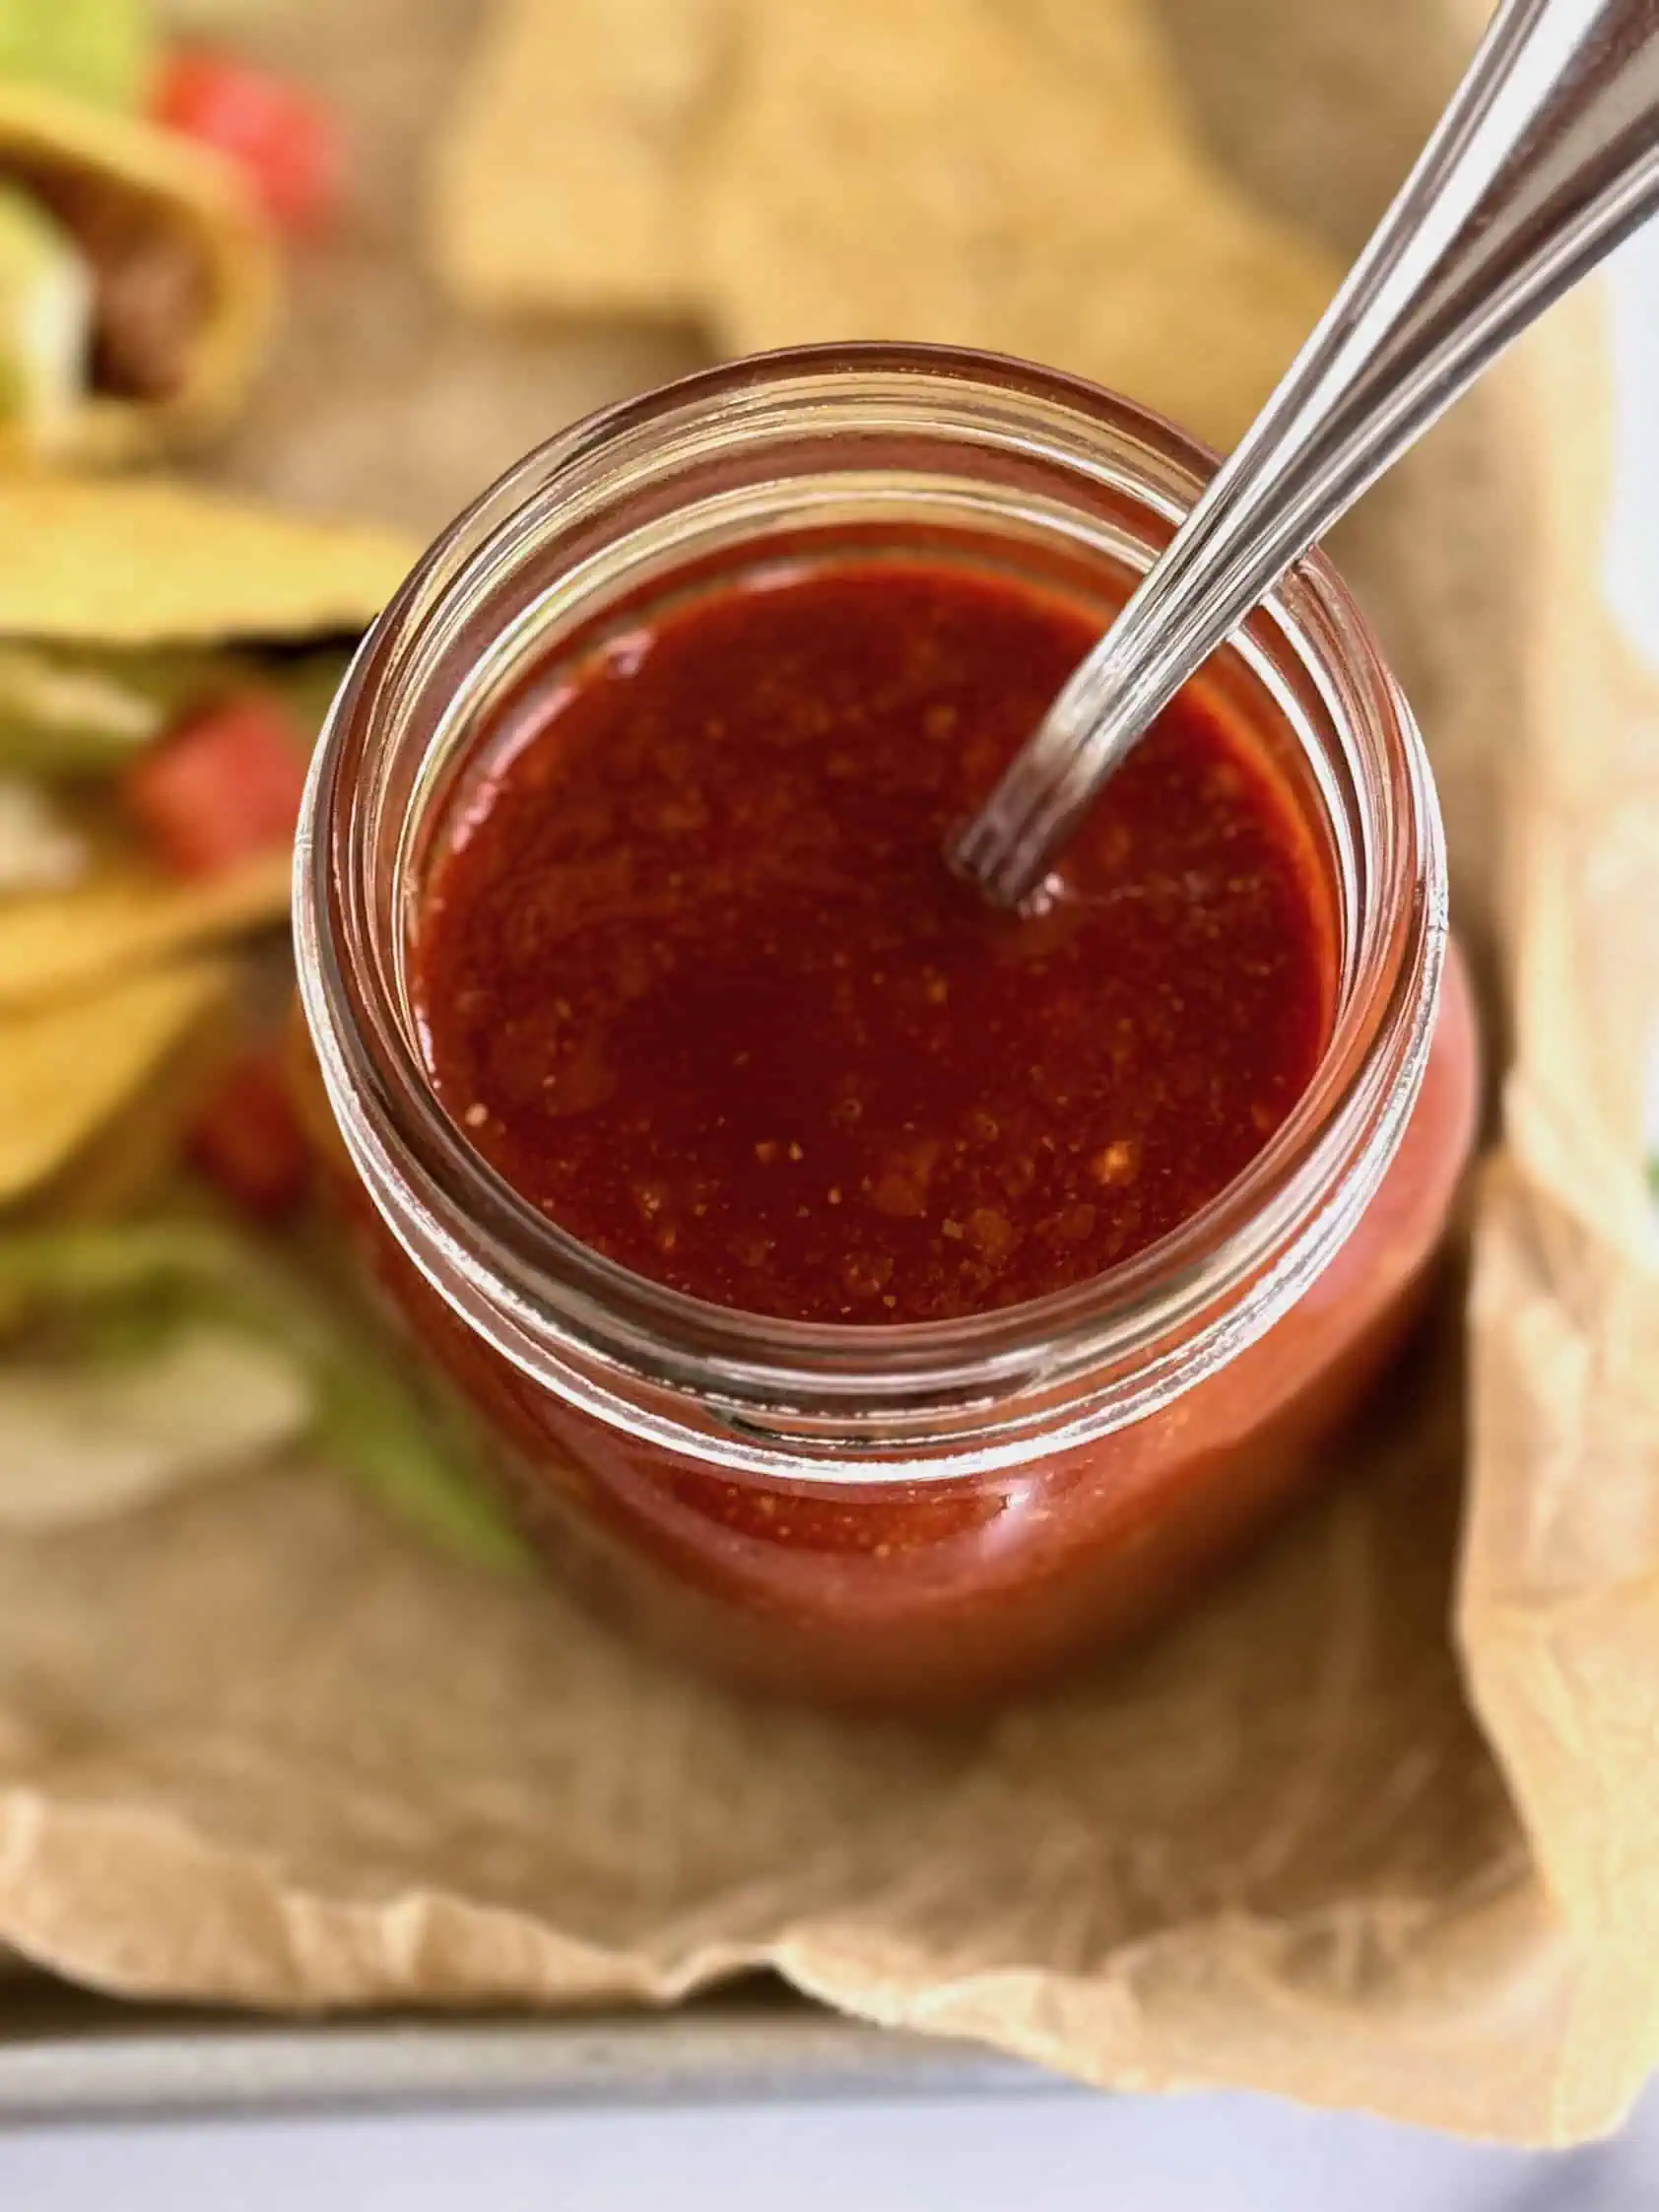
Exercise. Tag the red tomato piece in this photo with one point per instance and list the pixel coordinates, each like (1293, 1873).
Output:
(222, 788)
(284, 138)
(247, 1139)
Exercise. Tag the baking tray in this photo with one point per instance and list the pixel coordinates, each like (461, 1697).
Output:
(66, 2056)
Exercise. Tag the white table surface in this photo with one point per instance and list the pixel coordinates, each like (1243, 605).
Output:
(1054, 2152)
(1049, 2154)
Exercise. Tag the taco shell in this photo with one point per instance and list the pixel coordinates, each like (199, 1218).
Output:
(70, 1065)
(103, 984)
(55, 943)
(176, 244)
(153, 562)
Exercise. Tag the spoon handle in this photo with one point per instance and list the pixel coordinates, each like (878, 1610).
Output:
(1547, 157)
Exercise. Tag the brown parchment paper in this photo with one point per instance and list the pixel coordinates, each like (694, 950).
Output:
(1377, 1827)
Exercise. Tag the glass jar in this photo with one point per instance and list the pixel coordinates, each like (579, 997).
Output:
(904, 1515)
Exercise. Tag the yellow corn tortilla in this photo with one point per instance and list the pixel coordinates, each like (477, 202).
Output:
(203, 201)
(56, 943)
(130, 563)
(66, 1068)
(96, 972)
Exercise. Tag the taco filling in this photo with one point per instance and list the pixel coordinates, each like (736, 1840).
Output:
(101, 290)
(190, 762)
(164, 1314)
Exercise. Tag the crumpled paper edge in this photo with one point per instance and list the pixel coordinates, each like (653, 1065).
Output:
(202, 1922)
(1557, 1615)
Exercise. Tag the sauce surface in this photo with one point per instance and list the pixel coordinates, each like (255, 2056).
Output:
(694, 977)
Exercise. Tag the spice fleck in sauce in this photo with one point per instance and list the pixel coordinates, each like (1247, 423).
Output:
(693, 976)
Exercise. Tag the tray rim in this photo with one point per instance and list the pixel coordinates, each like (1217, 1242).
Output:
(70, 2057)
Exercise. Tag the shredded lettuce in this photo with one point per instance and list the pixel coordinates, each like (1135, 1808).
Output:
(60, 718)
(74, 713)
(39, 851)
(119, 1284)
(309, 680)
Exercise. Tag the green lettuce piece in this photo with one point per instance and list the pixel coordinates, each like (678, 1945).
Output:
(58, 718)
(400, 1450)
(134, 1278)
(97, 50)
(46, 310)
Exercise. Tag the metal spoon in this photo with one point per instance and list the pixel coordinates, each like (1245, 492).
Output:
(1547, 157)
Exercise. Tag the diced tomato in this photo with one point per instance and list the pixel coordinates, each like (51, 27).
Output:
(224, 787)
(283, 137)
(247, 1138)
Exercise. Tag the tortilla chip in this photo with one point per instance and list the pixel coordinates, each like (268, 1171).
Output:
(566, 181)
(1016, 175)
(57, 943)
(157, 562)
(1204, 343)
(65, 1068)
(1118, 48)
(195, 196)
(971, 173)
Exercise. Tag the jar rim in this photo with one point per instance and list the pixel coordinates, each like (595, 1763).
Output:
(989, 1389)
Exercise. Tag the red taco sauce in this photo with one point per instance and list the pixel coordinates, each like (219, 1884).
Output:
(693, 976)
(690, 972)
